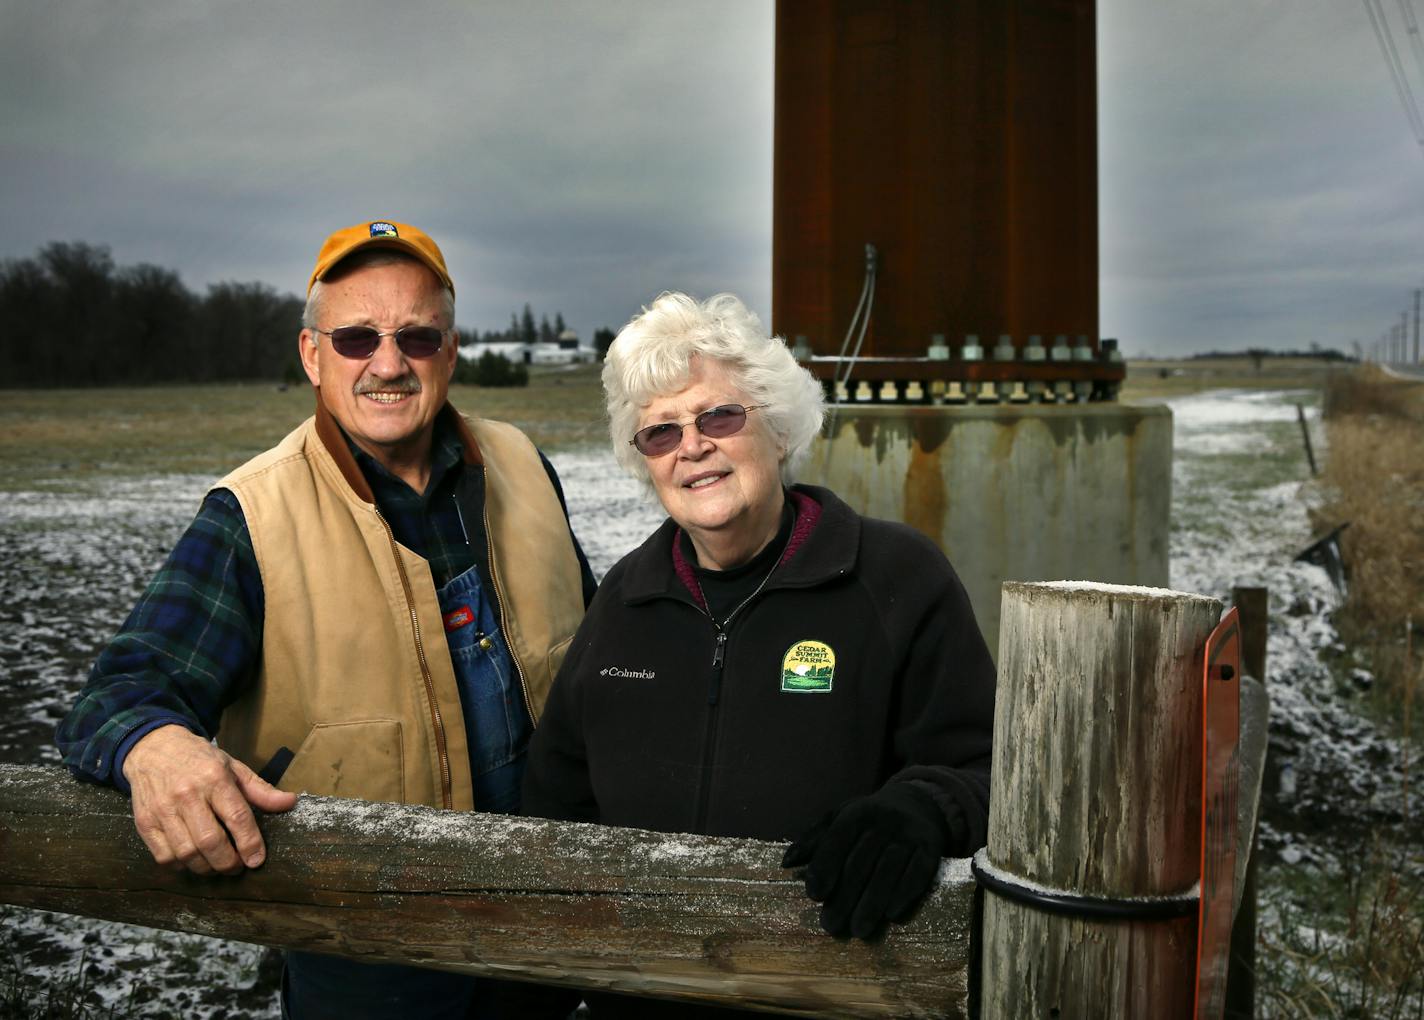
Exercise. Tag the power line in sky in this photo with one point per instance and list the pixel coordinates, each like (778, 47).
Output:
(1385, 37)
(1411, 25)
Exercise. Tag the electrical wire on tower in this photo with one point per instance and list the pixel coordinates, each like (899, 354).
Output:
(864, 305)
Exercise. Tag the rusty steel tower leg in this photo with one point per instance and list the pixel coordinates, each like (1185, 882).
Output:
(959, 138)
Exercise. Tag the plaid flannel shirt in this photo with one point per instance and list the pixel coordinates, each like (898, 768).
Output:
(193, 642)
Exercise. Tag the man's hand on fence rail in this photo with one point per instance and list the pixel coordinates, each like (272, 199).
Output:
(191, 803)
(872, 859)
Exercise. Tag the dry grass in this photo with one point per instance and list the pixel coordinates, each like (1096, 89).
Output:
(1375, 474)
(1163, 380)
(1362, 958)
(210, 429)
(1373, 965)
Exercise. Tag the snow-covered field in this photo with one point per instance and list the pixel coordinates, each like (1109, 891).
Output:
(1239, 517)
(73, 557)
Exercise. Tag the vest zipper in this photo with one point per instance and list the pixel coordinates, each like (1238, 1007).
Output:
(503, 619)
(442, 752)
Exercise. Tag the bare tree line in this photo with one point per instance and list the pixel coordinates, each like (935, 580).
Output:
(87, 322)
(76, 319)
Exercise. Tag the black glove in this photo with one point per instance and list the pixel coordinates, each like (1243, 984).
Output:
(872, 859)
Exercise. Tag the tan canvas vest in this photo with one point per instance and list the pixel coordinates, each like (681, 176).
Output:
(355, 675)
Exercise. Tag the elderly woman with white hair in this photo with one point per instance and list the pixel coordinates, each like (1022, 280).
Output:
(768, 663)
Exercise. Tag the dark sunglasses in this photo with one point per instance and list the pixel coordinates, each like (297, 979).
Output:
(715, 423)
(362, 341)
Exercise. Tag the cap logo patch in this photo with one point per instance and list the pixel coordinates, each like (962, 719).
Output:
(808, 667)
(383, 230)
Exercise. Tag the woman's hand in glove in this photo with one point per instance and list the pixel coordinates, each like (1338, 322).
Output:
(872, 859)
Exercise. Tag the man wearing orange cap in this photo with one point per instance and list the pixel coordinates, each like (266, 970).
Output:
(374, 608)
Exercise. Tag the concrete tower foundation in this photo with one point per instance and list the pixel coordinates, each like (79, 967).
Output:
(1028, 492)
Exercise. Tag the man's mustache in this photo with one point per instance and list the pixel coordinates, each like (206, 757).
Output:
(404, 384)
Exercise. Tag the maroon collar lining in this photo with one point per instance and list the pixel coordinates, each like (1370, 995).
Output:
(808, 513)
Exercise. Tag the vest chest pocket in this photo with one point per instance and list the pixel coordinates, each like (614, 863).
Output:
(364, 759)
(557, 654)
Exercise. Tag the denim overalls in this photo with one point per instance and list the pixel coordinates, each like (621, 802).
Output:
(497, 730)
(497, 724)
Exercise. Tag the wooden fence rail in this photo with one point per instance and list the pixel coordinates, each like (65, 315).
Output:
(681, 917)
(1097, 791)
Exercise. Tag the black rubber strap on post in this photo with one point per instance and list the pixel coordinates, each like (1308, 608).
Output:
(1057, 901)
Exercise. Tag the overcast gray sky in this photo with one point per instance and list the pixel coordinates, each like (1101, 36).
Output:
(1259, 182)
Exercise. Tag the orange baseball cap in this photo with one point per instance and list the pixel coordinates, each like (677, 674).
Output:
(380, 234)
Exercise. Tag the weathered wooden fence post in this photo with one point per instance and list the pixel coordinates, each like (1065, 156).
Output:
(1095, 818)
(1305, 434)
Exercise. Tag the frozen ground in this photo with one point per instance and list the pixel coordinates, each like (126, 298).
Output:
(1239, 518)
(73, 557)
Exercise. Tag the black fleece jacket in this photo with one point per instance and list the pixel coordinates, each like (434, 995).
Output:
(858, 663)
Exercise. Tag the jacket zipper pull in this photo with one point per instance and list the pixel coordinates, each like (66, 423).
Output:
(718, 654)
(459, 514)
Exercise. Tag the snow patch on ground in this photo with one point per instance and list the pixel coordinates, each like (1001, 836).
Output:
(1215, 410)
(71, 565)
(610, 512)
(127, 970)
(1330, 768)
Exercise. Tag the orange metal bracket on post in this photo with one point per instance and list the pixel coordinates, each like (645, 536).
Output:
(1221, 730)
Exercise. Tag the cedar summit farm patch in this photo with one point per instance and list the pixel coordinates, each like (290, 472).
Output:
(808, 667)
